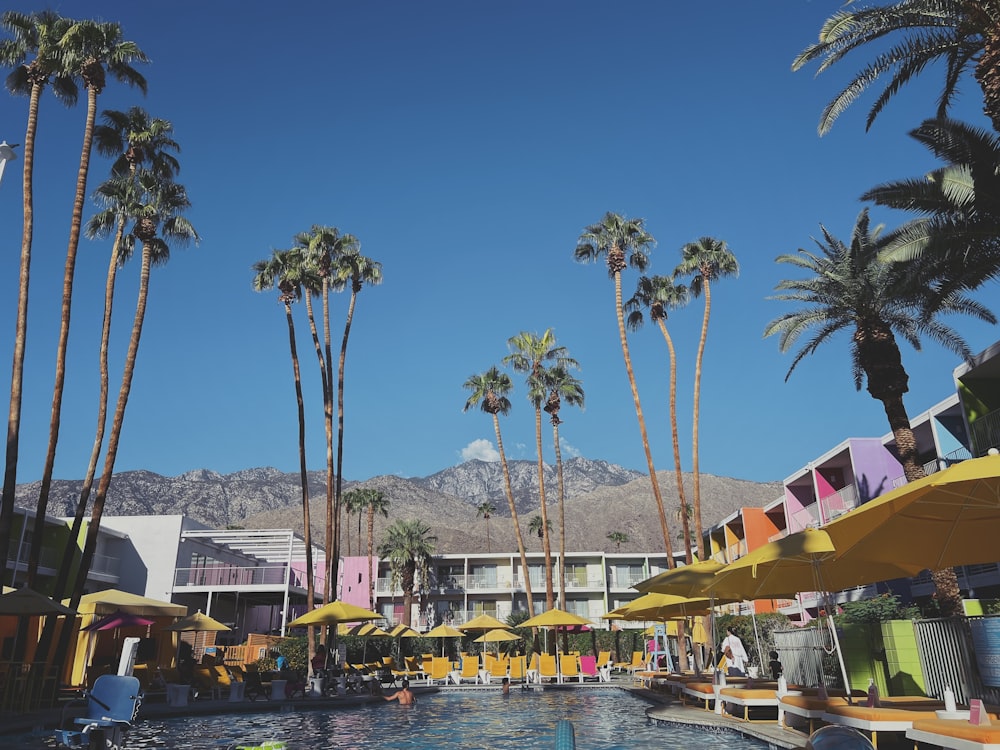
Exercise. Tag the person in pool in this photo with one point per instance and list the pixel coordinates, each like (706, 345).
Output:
(404, 695)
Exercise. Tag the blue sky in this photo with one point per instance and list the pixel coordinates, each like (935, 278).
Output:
(467, 145)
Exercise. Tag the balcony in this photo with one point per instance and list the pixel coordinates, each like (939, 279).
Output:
(804, 518)
(276, 576)
(986, 433)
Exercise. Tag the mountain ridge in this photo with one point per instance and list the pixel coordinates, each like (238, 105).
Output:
(599, 498)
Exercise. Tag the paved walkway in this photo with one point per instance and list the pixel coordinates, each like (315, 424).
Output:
(663, 709)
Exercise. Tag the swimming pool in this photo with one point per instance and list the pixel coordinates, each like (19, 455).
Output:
(603, 720)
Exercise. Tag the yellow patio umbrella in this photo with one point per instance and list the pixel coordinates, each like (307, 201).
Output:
(949, 518)
(334, 612)
(686, 580)
(403, 631)
(197, 622)
(498, 636)
(555, 618)
(25, 602)
(363, 630)
(655, 606)
(442, 632)
(483, 622)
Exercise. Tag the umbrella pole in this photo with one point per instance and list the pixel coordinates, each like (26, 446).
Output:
(756, 634)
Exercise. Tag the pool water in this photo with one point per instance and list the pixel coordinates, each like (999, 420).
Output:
(603, 720)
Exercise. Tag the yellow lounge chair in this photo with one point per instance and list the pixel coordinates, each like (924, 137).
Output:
(547, 668)
(498, 669)
(955, 734)
(604, 660)
(440, 669)
(468, 673)
(569, 668)
(638, 662)
(889, 718)
(518, 669)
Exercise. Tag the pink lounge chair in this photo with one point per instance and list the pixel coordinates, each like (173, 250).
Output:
(589, 669)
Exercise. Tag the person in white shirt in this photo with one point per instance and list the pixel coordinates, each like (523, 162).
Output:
(736, 655)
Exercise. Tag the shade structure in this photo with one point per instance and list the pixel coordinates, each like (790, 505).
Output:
(497, 635)
(949, 518)
(119, 619)
(105, 602)
(26, 602)
(334, 612)
(483, 622)
(197, 623)
(554, 618)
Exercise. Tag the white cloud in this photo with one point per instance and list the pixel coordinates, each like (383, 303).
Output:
(568, 449)
(480, 449)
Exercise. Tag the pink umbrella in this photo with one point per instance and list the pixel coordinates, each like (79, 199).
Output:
(119, 619)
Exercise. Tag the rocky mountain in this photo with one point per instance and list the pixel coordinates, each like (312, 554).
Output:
(599, 498)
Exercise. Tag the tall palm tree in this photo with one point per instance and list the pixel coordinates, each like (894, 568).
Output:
(33, 51)
(962, 34)
(958, 228)
(529, 353)
(489, 390)
(372, 501)
(408, 546)
(319, 245)
(485, 510)
(619, 538)
(349, 267)
(853, 288)
(94, 50)
(284, 270)
(705, 260)
(659, 294)
(561, 385)
(625, 243)
(542, 528)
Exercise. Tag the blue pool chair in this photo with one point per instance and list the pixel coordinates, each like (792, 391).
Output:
(112, 705)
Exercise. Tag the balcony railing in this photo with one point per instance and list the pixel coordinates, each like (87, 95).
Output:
(839, 502)
(986, 433)
(804, 518)
(261, 575)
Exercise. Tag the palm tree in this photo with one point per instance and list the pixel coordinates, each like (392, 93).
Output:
(659, 294)
(408, 546)
(372, 501)
(349, 266)
(529, 352)
(138, 141)
(619, 538)
(485, 510)
(959, 205)
(962, 34)
(541, 527)
(561, 384)
(853, 288)
(625, 243)
(36, 36)
(284, 269)
(705, 260)
(490, 390)
(319, 245)
(93, 50)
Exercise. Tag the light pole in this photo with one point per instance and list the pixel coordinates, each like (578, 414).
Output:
(6, 154)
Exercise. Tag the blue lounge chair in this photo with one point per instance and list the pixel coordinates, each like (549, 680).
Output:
(112, 705)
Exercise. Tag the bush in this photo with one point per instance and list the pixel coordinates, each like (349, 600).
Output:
(880, 609)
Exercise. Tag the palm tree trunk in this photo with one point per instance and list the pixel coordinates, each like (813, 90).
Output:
(371, 557)
(562, 511)
(340, 410)
(696, 475)
(667, 545)
(678, 474)
(90, 544)
(513, 516)
(69, 273)
(325, 383)
(62, 579)
(546, 545)
(332, 509)
(20, 338)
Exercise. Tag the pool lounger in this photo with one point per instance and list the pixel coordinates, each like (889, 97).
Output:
(955, 734)
(700, 691)
(749, 698)
(892, 718)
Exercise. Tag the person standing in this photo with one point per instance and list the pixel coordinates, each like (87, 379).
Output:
(736, 655)
(405, 696)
